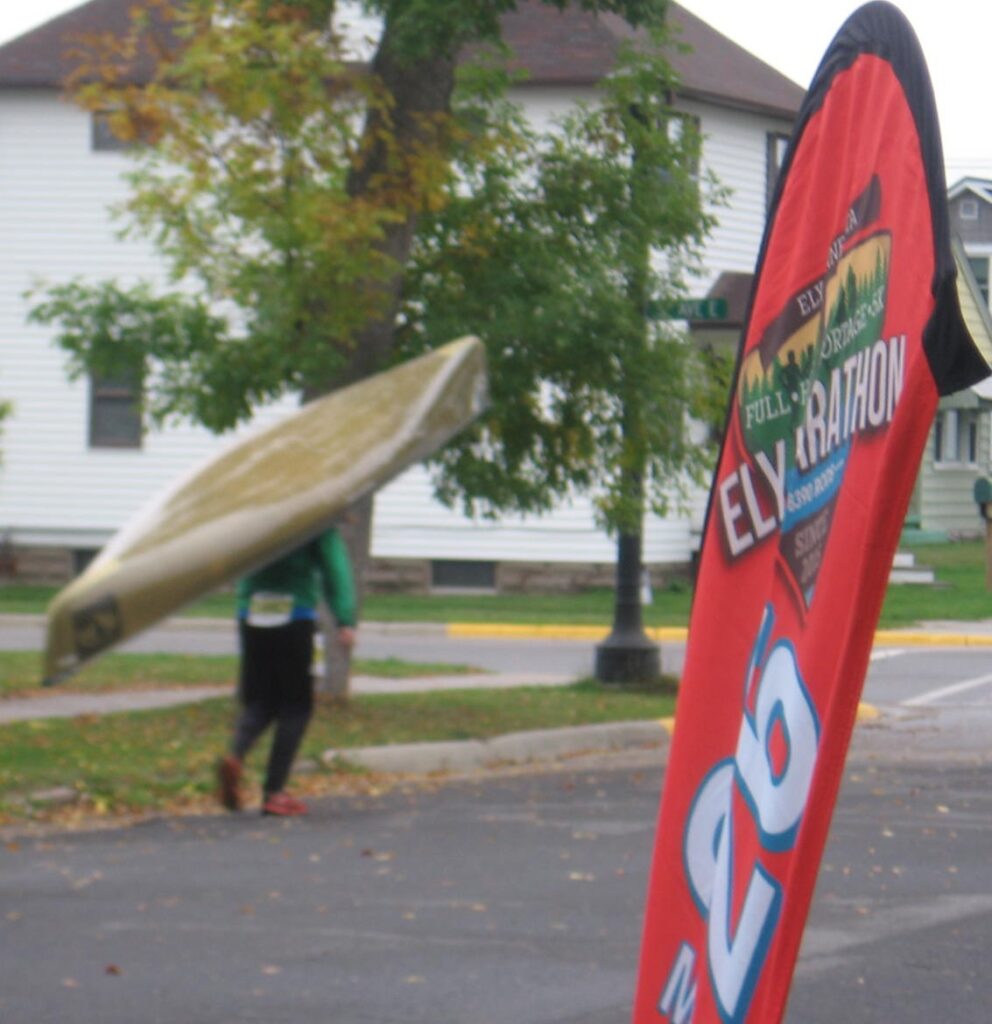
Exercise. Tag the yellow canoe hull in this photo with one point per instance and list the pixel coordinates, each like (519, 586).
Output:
(262, 496)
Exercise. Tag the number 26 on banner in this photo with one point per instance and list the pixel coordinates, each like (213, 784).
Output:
(773, 768)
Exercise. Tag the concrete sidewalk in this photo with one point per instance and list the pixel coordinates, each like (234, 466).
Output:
(56, 703)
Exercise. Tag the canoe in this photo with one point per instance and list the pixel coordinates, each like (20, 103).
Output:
(262, 496)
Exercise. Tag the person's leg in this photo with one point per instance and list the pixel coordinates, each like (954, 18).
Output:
(291, 726)
(253, 720)
(257, 709)
(295, 706)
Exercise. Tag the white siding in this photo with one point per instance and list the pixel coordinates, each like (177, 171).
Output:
(408, 523)
(545, 104)
(734, 150)
(54, 196)
(54, 225)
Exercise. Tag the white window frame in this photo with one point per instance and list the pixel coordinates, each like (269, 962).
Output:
(968, 209)
(776, 145)
(956, 439)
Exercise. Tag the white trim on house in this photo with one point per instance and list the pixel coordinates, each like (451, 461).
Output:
(980, 187)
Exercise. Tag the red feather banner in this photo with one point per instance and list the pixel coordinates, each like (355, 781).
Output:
(853, 333)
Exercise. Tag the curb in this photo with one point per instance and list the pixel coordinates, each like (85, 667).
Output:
(531, 747)
(535, 746)
(910, 638)
(680, 634)
(481, 630)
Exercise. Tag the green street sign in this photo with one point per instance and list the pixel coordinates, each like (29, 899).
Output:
(687, 309)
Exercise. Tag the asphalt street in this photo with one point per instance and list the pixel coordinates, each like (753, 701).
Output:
(902, 919)
(513, 895)
(502, 897)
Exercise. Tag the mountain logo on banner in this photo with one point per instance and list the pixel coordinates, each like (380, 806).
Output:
(820, 376)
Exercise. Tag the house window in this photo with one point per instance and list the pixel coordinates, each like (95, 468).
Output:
(102, 137)
(81, 558)
(980, 268)
(955, 438)
(776, 145)
(968, 209)
(971, 440)
(458, 575)
(115, 410)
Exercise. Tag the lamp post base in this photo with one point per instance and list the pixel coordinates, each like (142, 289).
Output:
(628, 658)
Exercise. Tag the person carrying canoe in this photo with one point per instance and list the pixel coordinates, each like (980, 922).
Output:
(277, 614)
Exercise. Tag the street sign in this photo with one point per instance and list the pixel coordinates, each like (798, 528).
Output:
(687, 309)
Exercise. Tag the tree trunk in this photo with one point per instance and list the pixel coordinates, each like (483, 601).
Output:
(420, 100)
(355, 528)
(415, 121)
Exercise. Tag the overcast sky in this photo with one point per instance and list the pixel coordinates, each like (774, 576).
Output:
(792, 35)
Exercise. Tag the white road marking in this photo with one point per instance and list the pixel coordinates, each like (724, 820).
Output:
(932, 696)
(881, 653)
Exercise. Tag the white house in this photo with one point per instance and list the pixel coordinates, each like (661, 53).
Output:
(74, 468)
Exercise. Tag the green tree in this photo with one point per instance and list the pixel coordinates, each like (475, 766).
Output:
(553, 255)
(283, 187)
(552, 251)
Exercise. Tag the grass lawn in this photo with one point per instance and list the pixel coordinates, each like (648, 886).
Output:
(595, 607)
(958, 594)
(163, 760)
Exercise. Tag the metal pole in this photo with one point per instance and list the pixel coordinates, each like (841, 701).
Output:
(627, 655)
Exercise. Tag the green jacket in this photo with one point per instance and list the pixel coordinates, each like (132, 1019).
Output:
(318, 567)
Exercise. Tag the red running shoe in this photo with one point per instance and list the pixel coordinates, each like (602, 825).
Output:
(229, 779)
(284, 806)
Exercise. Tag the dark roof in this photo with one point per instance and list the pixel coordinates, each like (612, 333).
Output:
(570, 47)
(574, 47)
(46, 55)
(719, 70)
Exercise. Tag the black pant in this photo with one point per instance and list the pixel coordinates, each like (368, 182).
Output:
(276, 685)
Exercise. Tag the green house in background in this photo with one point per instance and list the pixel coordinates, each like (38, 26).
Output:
(959, 449)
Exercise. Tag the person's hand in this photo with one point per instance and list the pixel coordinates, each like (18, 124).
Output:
(346, 637)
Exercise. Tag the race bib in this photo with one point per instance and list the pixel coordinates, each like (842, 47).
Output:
(270, 609)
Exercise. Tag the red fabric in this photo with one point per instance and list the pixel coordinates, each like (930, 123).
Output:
(855, 205)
